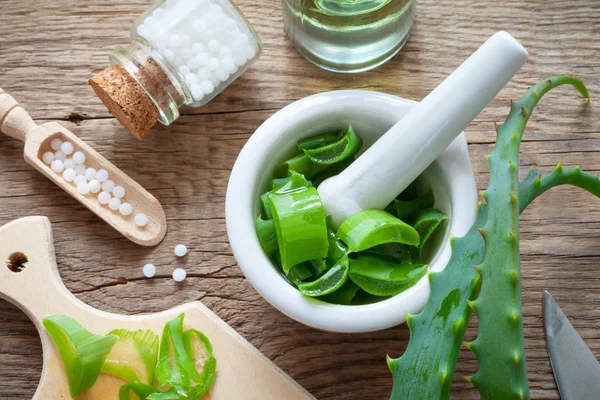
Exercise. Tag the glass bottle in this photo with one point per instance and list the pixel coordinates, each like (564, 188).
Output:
(182, 52)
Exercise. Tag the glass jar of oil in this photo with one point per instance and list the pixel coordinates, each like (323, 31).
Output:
(348, 35)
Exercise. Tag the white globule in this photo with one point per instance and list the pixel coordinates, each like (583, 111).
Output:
(57, 166)
(94, 186)
(104, 197)
(60, 156)
(119, 192)
(125, 209)
(108, 186)
(207, 86)
(180, 250)
(83, 188)
(69, 175)
(179, 275)
(90, 174)
(149, 270)
(78, 179)
(114, 204)
(141, 220)
(79, 157)
(55, 144)
(48, 157)
(206, 41)
(69, 163)
(102, 175)
(80, 169)
(67, 147)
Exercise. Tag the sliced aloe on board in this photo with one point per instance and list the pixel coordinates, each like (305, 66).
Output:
(134, 355)
(82, 352)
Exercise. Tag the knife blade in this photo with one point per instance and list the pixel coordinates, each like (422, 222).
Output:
(576, 369)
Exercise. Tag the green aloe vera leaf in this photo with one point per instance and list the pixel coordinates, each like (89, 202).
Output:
(499, 345)
(265, 229)
(320, 140)
(136, 391)
(170, 394)
(381, 277)
(391, 251)
(81, 352)
(265, 213)
(300, 225)
(292, 183)
(301, 164)
(337, 249)
(317, 266)
(331, 281)
(426, 222)
(438, 331)
(200, 349)
(133, 357)
(299, 273)
(175, 367)
(330, 171)
(368, 228)
(344, 295)
(407, 210)
(336, 152)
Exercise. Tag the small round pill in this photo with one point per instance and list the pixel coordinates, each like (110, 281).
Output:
(101, 175)
(184, 69)
(213, 64)
(225, 52)
(180, 250)
(80, 169)
(228, 64)
(149, 270)
(119, 192)
(94, 186)
(108, 186)
(69, 163)
(104, 197)
(190, 78)
(202, 58)
(55, 144)
(57, 166)
(67, 147)
(186, 53)
(78, 179)
(141, 220)
(48, 157)
(179, 274)
(221, 74)
(69, 175)
(79, 157)
(125, 209)
(114, 204)
(59, 155)
(197, 47)
(83, 188)
(196, 91)
(207, 86)
(90, 174)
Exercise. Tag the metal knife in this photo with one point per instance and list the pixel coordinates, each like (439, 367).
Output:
(576, 369)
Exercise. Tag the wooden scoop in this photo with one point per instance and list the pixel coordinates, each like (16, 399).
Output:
(30, 280)
(15, 122)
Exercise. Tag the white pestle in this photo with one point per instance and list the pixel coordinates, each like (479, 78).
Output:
(410, 146)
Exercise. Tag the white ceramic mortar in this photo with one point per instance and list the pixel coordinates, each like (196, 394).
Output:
(371, 114)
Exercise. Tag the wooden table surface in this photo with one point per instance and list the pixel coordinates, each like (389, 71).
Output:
(48, 50)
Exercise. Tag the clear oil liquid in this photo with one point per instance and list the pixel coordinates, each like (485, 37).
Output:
(348, 35)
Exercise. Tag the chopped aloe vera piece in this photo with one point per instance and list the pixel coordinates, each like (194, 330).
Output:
(265, 207)
(199, 348)
(392, 251)
(330, 171)
(136, 391)
(426, 223)
(381, 277)
(301, 164)
(335, 152)
(265, 229)
(300, 225)
(317, 266)
(369, 228)
(170, 394)
(175, 367)
(298, 273)
(344, 295)
(407, 210)
(82, 352)
(331, 281)
(292, 183)
(134, 355)
(323, 139)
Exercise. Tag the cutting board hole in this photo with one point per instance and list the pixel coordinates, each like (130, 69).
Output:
(16, 261)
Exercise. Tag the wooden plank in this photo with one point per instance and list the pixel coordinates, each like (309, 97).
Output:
(45, 66)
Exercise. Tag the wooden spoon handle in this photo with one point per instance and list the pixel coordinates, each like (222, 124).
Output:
(14, 120)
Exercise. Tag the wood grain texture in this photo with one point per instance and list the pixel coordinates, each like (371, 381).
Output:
(48, 50)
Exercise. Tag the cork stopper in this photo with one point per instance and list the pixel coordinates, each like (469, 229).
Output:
(126, 100)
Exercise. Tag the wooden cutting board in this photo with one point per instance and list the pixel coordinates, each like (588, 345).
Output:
(29, 279)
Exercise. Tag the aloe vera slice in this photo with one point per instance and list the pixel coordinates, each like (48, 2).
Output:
(82, 352)
(335, 152)
(328, 283)
(426, 222)
(392, 251)
(175, 367)
(381, 277)
(320, 140)
(292, 182)
(133, 357)
(317, 266)
(136, 391)
(300, 226)
(301, 164)
(369, 228)
(330, 171)
(344, 295)
(337, 249)
(200, 349)
(265, 229)
(407, 210)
